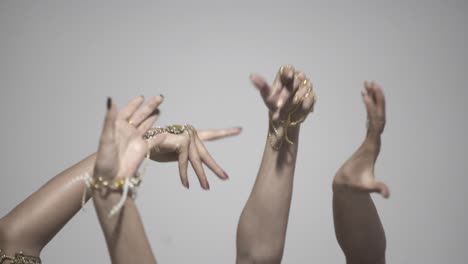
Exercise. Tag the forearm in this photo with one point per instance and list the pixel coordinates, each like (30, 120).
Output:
(124, 232)
(35, 221)
(358, 228)
(262, 226)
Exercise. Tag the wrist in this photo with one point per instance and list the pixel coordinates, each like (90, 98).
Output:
(282, 133)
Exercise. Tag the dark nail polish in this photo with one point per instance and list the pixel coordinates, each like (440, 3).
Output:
(109, 103)
(162, 96)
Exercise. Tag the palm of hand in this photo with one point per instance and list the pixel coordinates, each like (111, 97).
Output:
(120, 153)
(121, 148)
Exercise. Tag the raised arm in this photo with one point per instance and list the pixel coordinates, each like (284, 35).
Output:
(125, 140)
(262, 226)
(120, 153)
(357, 225)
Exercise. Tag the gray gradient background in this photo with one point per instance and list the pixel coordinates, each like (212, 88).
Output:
(59, 61)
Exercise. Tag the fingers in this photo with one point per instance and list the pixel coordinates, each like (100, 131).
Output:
(107, 151)
(379, 97)
(196, 162)
(373, 97)
(304, 88)
(286, 76)
(261, 85)
(170, 143)
(368, 97)
(148, 122)
(215, 134)
(109, 121)
(130, 108)
(381, 188)
(144, 112)
(303, 100)
(309, 101)
(183, 165)
(299, 77)
(282, 88)
(209, 161)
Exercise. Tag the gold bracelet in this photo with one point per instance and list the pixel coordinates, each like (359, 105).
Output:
(19, 258)
(116, 185)
(277, 142)
(171, 129)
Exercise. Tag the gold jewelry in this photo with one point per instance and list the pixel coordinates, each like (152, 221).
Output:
(289, 122)
(116, 185)
(19, 258)
(282, 68)
(277, 142)
(171, 129)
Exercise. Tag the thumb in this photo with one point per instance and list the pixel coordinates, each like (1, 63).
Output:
(381, 188)
(261, 85)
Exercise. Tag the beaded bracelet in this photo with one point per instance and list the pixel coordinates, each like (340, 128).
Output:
(116, 185)
(19, 258)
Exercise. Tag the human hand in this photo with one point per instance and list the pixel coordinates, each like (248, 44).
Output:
(121, 146)
(289, 100)
(188, 146)
(374, 101)
(291, 89)
(358, 172)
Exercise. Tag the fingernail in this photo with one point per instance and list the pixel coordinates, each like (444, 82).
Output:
(109, 103)
(185, 183)
(225, 175)
(207, 186)
(162, 96)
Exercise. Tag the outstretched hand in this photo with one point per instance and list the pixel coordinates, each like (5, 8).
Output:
(188, 147)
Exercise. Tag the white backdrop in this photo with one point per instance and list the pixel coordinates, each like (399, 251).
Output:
(59, 61)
